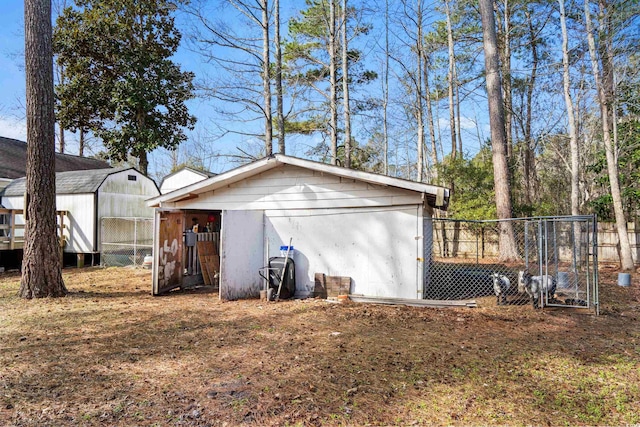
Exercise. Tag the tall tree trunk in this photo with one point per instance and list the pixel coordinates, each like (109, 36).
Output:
(450, 80)
(626, 258)
(173, 155)
(507, 241)
(437, 120)
(458, 115)
(81, 143)
(61, 145)
(279, 93)
(530, 176)
(41, 273)
(345, 88)
(573, 136)
(432, 131)
(506, 79)
(419, 94)
(266, 79)
(143, 162)
(141, 153)
(385, 90)
(333, 82)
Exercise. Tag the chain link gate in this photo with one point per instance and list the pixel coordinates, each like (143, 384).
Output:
(125, 241)
(558, 253)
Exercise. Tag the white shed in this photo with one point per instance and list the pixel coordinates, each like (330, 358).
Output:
(88, 196)
(182, 178)
(372, 228)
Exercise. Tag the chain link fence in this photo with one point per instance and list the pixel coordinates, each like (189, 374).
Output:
(125, 241)
(548, 261)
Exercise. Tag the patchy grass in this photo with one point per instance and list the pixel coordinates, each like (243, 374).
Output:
(111, 354)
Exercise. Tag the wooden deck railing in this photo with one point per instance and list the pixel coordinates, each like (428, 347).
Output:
(8, 228)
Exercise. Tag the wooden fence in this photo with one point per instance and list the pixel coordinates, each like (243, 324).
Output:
(461, 240)
(608, 250)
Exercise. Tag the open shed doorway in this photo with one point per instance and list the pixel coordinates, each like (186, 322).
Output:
(187, 250)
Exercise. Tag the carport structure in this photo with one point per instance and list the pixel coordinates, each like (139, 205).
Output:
(375, 229)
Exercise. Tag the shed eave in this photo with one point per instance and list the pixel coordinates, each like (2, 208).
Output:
(363, 176)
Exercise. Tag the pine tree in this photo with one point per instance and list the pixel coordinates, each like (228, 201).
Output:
(41, 274)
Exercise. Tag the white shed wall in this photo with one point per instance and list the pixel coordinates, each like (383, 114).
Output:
(241, 254)
(340, 227)
(123, 198)
(79, 221)
(291, 187)
(377, 247)
(180, 179)
(120, 197)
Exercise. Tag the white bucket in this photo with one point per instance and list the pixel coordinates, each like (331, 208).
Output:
(624, 279)
(563, 280)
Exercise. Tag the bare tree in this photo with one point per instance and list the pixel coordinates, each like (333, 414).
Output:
(451, 79)
(333, 81)
(429, 110)
(278, 70)
(505, 55)
(573, 136)
(41, 273)
(385, 89)
(507, 241)
(346, 109)
(626, 258)
(59, 74)
(60, 77)
(529, 161)
(419, 88)
(266, 78)
(240, 53)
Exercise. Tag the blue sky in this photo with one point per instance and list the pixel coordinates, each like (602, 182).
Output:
(11, 74)
(12, 81)
(12, 123)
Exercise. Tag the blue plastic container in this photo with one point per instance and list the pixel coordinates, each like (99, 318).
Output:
(624, 279)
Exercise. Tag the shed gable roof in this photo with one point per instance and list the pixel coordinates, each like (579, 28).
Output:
(196, 171)
(13, 160)
(72, 182)
(431, 192)
(204, 174)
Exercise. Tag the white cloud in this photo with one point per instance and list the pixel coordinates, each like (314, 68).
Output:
(13, 128)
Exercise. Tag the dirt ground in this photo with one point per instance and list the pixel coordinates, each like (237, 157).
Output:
(111, 354)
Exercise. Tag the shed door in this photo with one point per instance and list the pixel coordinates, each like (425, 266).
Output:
(169, 252)
(241, 254)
